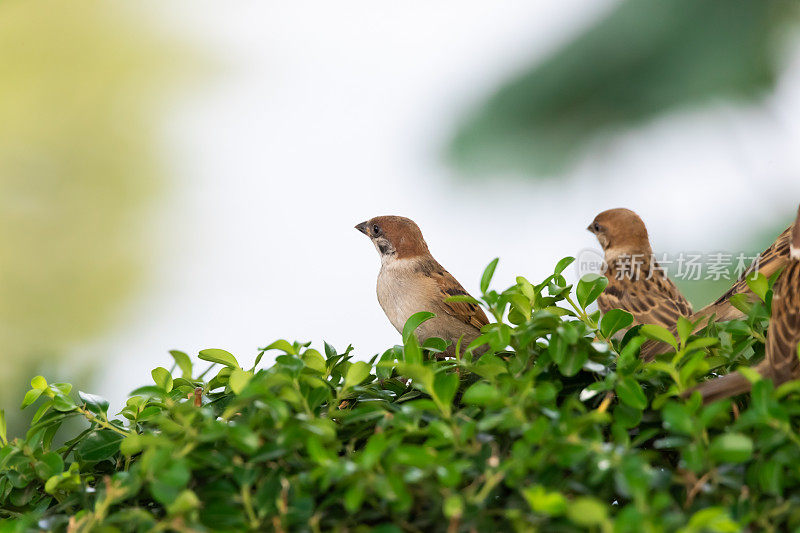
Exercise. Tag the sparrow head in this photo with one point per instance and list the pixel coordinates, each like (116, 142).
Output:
(394, 237)
(620, 230)
(795, 246)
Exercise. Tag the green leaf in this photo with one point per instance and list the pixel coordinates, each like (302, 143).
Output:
(314, 360)
(453, 506)
(215, 355)
(185, 502)
(152, 390)
(488, 273)
(759, 284)
(573, 360)
(63, 388)
(631, 393)
(702, 342)
(731, 448)
(420, 374)
(184, 363)
(30, 397)
(148, 413)
(96, 404)
(62, 402)
(481, 394)
(412, 354)
(357, 373)
(100, 445)
(239, 379)
(586, 511)
(677, 418)
(131, 445)
(713, 519)
(374, 449)
(445, 385)
(414, 322)
(167, 486)
(3, 429)
(526, 287)
(613, 321)
(659, 333)
(40, 412)
(282, 345)
(293, 364)
(39, 383)
(546, 502)
(435, 344)
(684, 327)
(183, 382)
(562, 264)
(162, 378)
(49, 465)
(354, 497)
(589, 288)
(177, 474)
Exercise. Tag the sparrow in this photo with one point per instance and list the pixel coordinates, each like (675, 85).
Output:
(636, 283)
(770, 261)
(781, 362)
(411, 280)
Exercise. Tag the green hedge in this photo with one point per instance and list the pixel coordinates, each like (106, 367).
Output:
(560, 428)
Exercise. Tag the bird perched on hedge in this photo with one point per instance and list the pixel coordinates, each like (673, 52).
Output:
(636, 283)
(768, 263)
(411, 280)
(781, 363)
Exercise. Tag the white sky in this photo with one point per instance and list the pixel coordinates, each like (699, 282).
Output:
(326, 114)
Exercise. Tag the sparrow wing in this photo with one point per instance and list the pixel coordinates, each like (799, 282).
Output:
(466, 312)
(768, 263)
(781, 362)
(651, 301)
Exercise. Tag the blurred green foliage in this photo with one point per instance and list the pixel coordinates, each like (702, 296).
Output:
(78, 164)
(645, 58)
(559, 427)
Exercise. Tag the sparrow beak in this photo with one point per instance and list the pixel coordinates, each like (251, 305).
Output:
(362, 227)
(590, 229)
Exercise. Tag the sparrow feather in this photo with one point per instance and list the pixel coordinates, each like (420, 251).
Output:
(772, 260)
(781, 363)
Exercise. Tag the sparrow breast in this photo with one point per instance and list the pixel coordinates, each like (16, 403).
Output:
(401, 293)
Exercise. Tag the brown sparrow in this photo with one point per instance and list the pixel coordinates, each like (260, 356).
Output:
(411, 280)
(768, 263)
(636, 283)
(781, 363)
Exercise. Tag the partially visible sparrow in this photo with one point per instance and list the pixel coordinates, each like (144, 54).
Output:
(768, 263)
(636, 283)
(411, 280)
(781, 361)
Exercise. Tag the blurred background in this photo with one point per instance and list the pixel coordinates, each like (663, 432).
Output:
(187, 175)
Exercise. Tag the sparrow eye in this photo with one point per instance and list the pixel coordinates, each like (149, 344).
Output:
(596, 226)
(376, 230)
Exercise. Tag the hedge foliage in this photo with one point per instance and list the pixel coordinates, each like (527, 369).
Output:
(560, 427)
